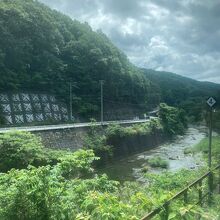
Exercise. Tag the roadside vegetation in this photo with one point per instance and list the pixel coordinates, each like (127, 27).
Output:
(69, 189)
(38, 183)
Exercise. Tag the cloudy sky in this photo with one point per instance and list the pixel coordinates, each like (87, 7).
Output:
(181, 36)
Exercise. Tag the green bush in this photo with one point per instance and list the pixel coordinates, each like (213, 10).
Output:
(116, 130)
(96, 140)
(20, 149)
(173, 119)
(158, 162)
(77, 164)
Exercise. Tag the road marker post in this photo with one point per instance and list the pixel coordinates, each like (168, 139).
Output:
(210, 102)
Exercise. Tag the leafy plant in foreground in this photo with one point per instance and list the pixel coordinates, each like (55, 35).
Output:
(20, 149)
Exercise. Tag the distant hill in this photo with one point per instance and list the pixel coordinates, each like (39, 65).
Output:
(182, 91)
(42, 50)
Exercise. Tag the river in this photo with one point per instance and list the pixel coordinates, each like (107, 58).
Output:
(129, 168)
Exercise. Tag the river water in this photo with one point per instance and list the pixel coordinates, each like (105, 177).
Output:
(129, 168)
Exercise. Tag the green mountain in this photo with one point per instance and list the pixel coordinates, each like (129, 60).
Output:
(42, 50)
(184, 92)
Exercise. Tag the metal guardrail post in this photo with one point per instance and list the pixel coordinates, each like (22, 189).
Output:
(185, 197)
(165, 206)
(219, 181)
(210, 186)
(200, 193)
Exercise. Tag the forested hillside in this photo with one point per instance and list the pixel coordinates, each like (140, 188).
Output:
(184, 92)
(42, 50)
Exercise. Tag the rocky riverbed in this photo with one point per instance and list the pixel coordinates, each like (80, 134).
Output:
(130, 168)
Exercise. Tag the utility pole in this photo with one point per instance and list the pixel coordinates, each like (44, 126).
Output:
(210, 138)
(210, 180)
(101, 84)
(71, 102)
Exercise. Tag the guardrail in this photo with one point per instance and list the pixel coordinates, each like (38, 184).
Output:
(74, 125)
(184, 193)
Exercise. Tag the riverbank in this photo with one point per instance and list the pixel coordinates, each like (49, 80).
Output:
(130, 167)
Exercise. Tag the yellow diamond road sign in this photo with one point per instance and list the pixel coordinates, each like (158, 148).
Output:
(211, 101)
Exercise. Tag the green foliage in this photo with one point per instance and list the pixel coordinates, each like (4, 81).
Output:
(169, 182)
(158, 162)
(179, 91)
(173, 119)
(74, 165)
(65, 191)
(104, 141)
(96, 141)
(41, 193)
(203, 146)
(43, 50)
(20, 149)
(116, 130)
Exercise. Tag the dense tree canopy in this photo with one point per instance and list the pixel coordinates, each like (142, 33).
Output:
(189, 94)
(44, 50)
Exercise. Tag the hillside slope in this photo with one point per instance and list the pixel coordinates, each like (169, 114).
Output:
(43, 50)
(181, 91)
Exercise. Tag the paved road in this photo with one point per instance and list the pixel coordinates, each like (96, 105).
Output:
(66, 126)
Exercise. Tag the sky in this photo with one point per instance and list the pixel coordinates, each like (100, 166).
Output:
(180, 36)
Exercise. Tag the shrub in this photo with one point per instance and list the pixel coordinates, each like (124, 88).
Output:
(173, 119)
(18, 149)
(95, 140)
(115, 130)
(77, 164)
(158, 162)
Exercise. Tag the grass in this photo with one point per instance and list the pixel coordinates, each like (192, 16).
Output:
(158, 162)
(203, 145)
